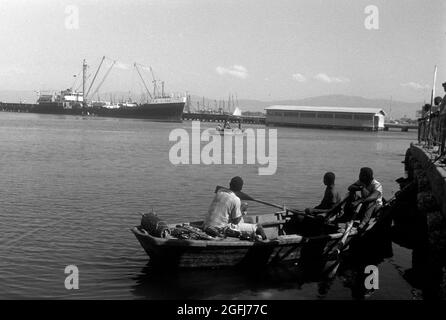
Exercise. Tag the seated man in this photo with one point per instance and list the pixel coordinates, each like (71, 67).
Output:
(331, 197)
(225, 212)
(371, 195)
(443, 101)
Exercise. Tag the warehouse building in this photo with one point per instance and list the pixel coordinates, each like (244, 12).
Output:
(326, 117)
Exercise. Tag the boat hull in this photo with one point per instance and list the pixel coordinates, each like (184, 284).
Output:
(230, 252)
(229, 132)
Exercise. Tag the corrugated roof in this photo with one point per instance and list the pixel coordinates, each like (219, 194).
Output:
(327, 109)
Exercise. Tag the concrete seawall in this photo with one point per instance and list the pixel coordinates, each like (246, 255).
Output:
(429, 228)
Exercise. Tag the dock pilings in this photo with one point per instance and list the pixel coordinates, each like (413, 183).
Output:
(427, 227)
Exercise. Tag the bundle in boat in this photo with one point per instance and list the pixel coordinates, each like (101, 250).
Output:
(154, 225)
(186, 231)
(160, 229)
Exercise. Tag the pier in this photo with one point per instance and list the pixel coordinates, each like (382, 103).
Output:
(218, 117)
(424, 226)
(16, 107)
(403, 127)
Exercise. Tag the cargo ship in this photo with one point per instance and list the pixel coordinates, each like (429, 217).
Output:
(158, 106)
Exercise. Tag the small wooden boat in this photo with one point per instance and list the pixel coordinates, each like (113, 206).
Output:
(281, 245)
(230, 132)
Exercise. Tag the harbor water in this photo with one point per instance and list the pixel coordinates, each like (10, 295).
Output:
(71, 187)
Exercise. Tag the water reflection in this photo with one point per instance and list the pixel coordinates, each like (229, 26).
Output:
(239, 283)
(154, 283)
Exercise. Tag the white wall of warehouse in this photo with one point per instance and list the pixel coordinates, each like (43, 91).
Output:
(287, 117)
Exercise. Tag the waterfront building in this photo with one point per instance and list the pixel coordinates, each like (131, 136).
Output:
(326, 117)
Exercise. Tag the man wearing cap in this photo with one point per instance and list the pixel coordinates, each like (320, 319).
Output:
(226, 211)
(371, 195)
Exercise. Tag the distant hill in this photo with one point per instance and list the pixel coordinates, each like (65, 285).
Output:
(395, 109)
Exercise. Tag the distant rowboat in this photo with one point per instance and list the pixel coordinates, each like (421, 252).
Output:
(229, 132)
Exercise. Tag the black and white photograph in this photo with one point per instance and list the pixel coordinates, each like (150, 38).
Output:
(239, 151)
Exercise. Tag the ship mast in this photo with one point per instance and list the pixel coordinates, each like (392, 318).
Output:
(390, 107)
(229, 104)
(84, 75)
(155, 89)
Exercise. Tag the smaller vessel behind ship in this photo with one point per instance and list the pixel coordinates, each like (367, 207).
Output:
(65, 102)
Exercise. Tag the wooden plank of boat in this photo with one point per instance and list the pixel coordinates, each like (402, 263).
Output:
(222, 242)
(233, 242)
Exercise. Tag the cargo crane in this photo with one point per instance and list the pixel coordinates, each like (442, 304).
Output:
(103, 78)
(143, 82)
(95, 75)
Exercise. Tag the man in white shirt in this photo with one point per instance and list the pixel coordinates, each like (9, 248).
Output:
(371, 195)
(226, 211)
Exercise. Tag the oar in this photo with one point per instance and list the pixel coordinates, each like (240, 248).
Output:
(333, 268)
(336, 208)
(243, 196)
(340, 246)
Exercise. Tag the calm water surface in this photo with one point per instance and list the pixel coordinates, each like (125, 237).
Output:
(72, 187)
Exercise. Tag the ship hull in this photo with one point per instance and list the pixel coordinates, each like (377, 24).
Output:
(164, 112)
(169, 112)
(49, 108)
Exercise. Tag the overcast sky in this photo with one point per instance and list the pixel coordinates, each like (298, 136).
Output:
(276, 49)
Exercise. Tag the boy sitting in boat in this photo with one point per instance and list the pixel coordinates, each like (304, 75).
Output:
(371, 196)
(331, 197)
(226, 212)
